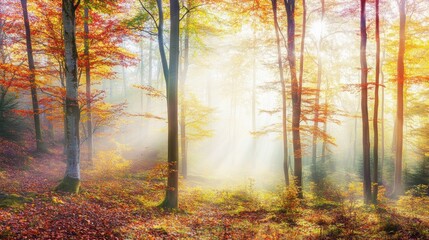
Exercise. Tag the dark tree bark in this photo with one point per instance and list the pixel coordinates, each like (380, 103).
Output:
(33, 87)
(71, 179)
(296, 94)
(375, 181)
(364, 107)
(88, 83)
(283, 92)
(397, 187)
(161, 40)
(171, 198)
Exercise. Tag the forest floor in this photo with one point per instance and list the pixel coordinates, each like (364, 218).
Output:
(125, 207)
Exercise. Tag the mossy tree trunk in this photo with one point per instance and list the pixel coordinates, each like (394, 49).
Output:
(71, 179)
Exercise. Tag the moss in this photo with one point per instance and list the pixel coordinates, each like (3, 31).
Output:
(68, 184)
(12, 200)
(323, 204)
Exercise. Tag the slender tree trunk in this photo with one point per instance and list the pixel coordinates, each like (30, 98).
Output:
(71, 179)
(111, 90)
(88, 83)
(171, 198)
(382, 121)
(397, 187)
(364, 107)
(296, 93)
(316, 105)
(141, 74)
(325, 124)
(124, 82)
(283, 92)
(161, 41)
(253, 100)
(149, 77)
(63, 85)
(183, 140)
(33, 86)
(375, 181)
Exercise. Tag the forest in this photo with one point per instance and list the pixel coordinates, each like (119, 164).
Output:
(214, 119)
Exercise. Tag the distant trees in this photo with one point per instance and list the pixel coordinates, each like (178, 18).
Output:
(88, 81)
(317, 100)
(397, 184)
(183, 106)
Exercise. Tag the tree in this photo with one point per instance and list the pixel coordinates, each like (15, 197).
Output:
(88, 82)
(184, 72)
(375, 181)
(397, 185)
(317, 105)
(296, 94)
(283, 92)
(364, 106)
(71, 180)
(32, 78)
(171, 198)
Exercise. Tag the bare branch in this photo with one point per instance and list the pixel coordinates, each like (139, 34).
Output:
(150, 14)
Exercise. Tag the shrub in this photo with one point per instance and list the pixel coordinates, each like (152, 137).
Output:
(326, 190)
(289, 198)
(415, 201)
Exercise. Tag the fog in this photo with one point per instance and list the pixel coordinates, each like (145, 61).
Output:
(222, 77)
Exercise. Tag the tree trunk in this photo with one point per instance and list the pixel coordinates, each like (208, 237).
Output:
(161, 41)
(141, 74)
(325, 124)
(316, 104)
(149, 77)
(124, 82)
(375, 181)
(33, 87)
(382, 120)
(71, 179)
(253, 100)
(283, 92)
(171, 198)
(397, 186)
(364, 107)
(183, 140)
(88, 84)
(296, 93)
(355, 141)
